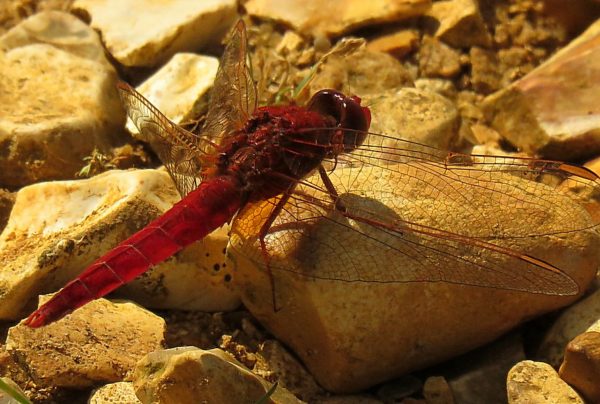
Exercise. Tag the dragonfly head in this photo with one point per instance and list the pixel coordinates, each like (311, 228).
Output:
(347, 112)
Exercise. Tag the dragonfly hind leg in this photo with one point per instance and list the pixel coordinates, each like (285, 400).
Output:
(263, 245)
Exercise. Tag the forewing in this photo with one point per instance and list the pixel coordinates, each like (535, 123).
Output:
(178, 149)
(233, 97)
(429, 215)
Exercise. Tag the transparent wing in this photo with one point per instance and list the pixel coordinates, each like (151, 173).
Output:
(178, 149)
(233, 97)
(415, 213)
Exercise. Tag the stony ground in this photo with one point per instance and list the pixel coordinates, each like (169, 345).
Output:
(517, 78)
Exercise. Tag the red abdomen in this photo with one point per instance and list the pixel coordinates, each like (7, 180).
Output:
(210, 206)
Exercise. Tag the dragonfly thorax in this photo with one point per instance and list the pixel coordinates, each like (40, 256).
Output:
(280, 145)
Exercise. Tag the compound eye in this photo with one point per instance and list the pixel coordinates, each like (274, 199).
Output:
(347, 112)
(329, 102)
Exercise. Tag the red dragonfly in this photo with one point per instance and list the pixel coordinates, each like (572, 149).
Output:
(284, 167)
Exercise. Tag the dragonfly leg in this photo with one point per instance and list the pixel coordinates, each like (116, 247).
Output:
(263, 246)
(339, 205)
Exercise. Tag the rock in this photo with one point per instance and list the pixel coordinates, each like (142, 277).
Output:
(536, 382)
(480, 376)
(554, 111)
(398, 43)
(354, 74)
(114, 393)
(7, 200)
(575, 18)
(160, 29)
(197, 278)
(101, 342)
(414, 115)
(352, 334)
(274, 360)
(193, 375)
(459, 23)
(437, 391)
(443, 87)
(581, 366)
(573, 321)
(179, 89)
(594, 165)
(485, 77)
(399, 389)
(350, 399)
(337, 17)
(77, 221)
(43, 134)
(437, 59)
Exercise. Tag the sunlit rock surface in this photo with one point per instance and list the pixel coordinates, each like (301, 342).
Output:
(335, 17)
(114, 393)
(193, 375)
(459, 23)
(352, 335)
(180, 87)
(353, 74)
(101, 342)
(146, 32)
(45, 134)
(414, 115)
(56, 229)
(554, 110)
(537, 382)
(398, 43)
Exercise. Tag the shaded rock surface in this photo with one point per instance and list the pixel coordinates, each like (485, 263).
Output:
(437, 391)
(101, 342)
(480, 376)
(580, 317)
(581, 366)
(43, 134)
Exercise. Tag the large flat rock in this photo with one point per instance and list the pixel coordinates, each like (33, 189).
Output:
(56, 229)
(369, 325)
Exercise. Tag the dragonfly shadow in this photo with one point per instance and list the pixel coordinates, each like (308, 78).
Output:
(345, 239)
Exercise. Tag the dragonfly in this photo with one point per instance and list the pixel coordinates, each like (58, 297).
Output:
(284, 167)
